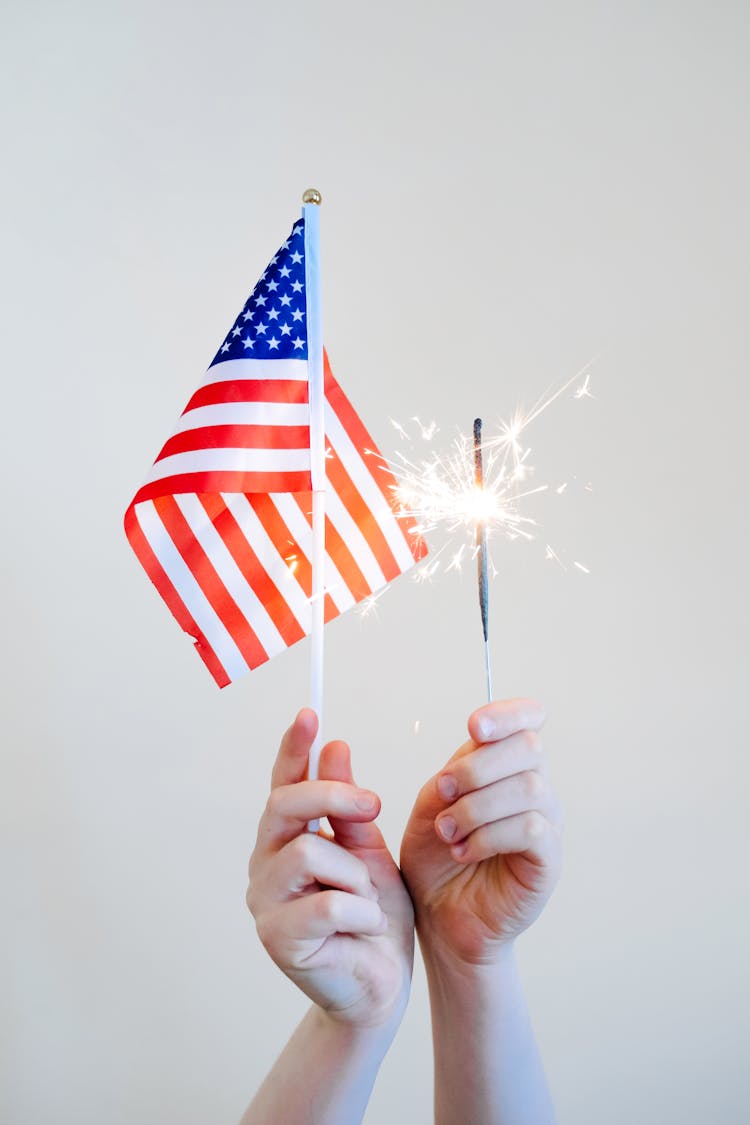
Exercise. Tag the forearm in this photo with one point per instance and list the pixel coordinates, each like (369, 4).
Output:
(324, 1075)
(487, 1065)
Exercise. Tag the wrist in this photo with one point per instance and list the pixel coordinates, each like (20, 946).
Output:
(354, 1038)
(455, 979)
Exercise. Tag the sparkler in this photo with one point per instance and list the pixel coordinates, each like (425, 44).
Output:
(481, 548)
(480, 487)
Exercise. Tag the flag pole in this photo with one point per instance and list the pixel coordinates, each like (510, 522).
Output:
(311, 214)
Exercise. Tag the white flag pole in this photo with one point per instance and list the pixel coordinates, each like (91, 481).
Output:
(311, 214)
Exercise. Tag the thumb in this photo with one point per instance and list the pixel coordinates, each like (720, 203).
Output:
(291, 762)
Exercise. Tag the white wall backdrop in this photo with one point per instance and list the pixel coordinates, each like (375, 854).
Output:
(510, 190)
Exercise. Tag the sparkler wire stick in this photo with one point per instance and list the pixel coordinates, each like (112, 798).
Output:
(481, 547)
(311, 215)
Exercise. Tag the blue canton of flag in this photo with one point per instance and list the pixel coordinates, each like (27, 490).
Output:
(272, 323)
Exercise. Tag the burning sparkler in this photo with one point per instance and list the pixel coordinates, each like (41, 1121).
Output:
(479, 488)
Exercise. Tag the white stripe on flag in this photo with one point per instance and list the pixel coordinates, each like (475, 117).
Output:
(352, 461)
(181, 577)
(234, 581)
(231, 461)
(300, 530)
(231, 369)
(275, 565)
(355, 540)
(246, 414)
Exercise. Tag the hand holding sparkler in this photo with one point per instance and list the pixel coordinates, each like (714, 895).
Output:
(481, 851)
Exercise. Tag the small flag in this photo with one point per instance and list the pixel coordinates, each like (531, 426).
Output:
(223, 523)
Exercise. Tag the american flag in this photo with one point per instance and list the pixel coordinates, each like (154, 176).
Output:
(223, 524)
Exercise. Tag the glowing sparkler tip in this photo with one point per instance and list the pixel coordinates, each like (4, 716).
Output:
(480, 485)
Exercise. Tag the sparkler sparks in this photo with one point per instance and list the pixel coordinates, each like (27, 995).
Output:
(441, 492)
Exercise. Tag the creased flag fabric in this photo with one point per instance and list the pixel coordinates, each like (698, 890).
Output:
(223, 523)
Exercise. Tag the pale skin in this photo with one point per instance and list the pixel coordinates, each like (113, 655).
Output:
(479, 859)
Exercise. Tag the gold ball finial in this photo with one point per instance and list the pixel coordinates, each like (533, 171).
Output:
(312, 195)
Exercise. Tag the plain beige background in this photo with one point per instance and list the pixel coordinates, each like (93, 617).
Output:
(510, 190)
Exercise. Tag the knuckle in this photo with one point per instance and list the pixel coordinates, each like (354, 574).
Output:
(275, 802)
(533, 785)
(303, 848)
(532, 742)
(478, 845)
(533, 825)
(327, 907)
(467, 773)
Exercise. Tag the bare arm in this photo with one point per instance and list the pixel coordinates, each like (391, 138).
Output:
(480, 855)
(325, 1074)
(487, 1065)
(333, 913)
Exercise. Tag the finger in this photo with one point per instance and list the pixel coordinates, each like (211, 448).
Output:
(292, 758)
(528, 833)
(523, 792)
(491, 762)
(501, 719)
(309, 861)
(290, 807)
(505, 717)
(320, 916)
(336, 765)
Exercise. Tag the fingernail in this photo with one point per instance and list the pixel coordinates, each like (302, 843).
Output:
(486, 728)
(447, 786)
(459, 850)
(447, 827)
(365, 801)
(373, 892)
(383, 922)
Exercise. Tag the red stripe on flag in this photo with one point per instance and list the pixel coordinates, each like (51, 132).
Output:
(287, 546)
(237, 437)
(252, 569)
(176, 605)
(382, 477)
(224, 482)
(362, 515)
(214, 590)
(336, 547)
(250, 390)
(283, 540)
(342, 557)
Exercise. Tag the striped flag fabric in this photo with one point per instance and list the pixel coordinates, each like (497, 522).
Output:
(223, 523)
